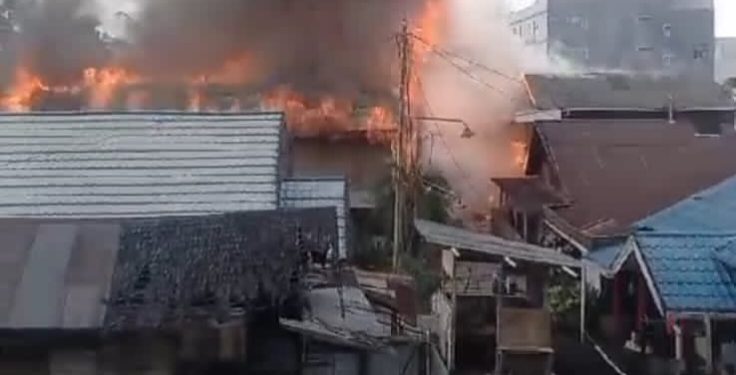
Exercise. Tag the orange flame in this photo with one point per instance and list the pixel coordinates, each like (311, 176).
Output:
(329, 115)
(104, 83)
(25, 87)
(519, 150)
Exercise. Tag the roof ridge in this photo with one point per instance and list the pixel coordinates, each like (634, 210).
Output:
(673, 233)
(699, 195)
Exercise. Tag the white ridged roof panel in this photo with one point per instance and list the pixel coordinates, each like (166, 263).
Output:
(138, 164)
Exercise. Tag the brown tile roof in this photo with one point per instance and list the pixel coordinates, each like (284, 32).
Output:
(615, 172)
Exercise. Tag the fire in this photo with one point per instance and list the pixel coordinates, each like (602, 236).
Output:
(25, 87)
(104, 83)
(428, 30)
(330, 115)
(235, 71)
(519, 150)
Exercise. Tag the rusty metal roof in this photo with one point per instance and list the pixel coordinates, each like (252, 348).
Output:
(616, 172)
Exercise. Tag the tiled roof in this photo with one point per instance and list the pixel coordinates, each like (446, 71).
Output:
(713, 209)
(624, 92)
(86, 165)
(445, 235)
(176, 269)
(320, 192)
(688, 271)
(617, 172)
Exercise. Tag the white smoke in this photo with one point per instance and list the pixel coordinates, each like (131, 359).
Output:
(484, 92)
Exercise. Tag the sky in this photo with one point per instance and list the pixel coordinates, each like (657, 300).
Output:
(725, 15)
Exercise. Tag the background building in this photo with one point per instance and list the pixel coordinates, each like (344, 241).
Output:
(674, 36)
(725, 59)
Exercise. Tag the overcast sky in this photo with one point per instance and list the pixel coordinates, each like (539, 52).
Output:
(725, 17)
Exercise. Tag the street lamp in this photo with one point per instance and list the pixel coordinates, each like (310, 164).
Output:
(466, 133)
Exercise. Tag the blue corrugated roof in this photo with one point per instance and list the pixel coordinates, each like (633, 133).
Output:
(688, 271)
(606, 255)
(713, 209)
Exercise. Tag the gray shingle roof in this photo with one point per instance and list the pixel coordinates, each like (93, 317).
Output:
(138, 164)
(320, 192)
(625, 92)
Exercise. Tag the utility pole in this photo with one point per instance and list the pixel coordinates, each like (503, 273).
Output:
(401, 171)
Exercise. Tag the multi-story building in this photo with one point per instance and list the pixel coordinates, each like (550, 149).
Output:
(725, 59)
(670, 36)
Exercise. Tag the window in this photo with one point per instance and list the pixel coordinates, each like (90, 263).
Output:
(700, 53)
(667, 60)
(535, 28)
(645, 48)
(667, 30)
(644, 18)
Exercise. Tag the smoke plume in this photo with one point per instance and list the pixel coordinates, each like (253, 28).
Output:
(476, 77)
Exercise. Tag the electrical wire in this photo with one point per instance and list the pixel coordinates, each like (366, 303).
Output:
(464, 173)
(441, 51)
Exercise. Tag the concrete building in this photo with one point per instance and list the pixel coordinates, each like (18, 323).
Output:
(725, 59)
(674, 36)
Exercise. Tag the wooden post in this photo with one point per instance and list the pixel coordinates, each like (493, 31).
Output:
(617, 283)
(583, 299)
(400, 172)
(708, 344)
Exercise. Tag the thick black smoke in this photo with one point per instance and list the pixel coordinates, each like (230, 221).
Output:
(326, 46)
(323, 45)
(57, 40)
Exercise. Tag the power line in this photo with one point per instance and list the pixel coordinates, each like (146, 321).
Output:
(441, 51)
(463, 172)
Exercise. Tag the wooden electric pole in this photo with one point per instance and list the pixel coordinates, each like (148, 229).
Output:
(402, 171)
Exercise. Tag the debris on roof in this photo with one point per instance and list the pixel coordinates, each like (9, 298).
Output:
(320, 192)
(174, 269)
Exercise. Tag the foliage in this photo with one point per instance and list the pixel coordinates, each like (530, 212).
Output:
(564, 299)
(426, 281)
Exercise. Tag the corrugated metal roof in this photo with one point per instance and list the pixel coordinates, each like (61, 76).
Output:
(688, 272)
(713, 209)
(485, 243)
(320, 192)
(614, 171)
(138, 164)
(55, 274)
(624, 92)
